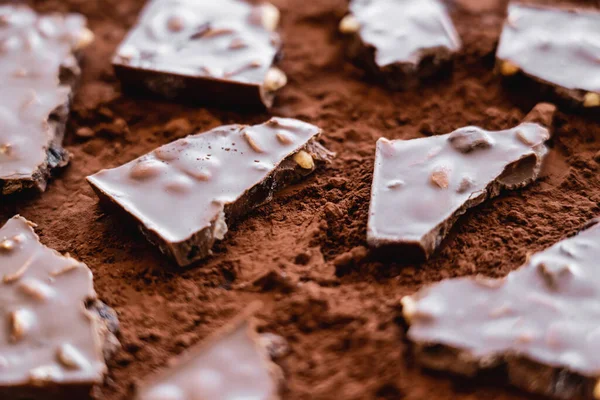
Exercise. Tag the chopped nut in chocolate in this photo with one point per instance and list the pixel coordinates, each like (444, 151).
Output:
(38, 69)
(232, 364)
(58, 334)
(421, 186)
(186, 194)
(556, 47)
(540, 323)
(400, 41)
(204, 50)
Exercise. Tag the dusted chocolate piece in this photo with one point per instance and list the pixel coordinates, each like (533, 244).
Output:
(400, 41)
(540, 323)
(56, 334)
(231, 364)
(204, 50)
(38, 70)
(185, 194)
(421, 186)
(556, 47)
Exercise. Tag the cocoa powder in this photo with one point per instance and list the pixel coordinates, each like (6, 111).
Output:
(305, 255)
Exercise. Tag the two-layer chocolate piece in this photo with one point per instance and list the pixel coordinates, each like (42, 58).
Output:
(221, 52)
(539, 326)
(186, 194)
(558, 48)
(38, 69)
(400, 41)
(231, 364)
(422, 186)
(55, 334)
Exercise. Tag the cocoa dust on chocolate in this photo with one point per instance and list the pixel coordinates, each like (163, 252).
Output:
(336, 304)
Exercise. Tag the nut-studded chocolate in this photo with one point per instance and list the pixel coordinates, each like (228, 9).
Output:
(421, 186)
(232, 364)
(38, 69)
(556, 47)
(540, 322)
(186, 194)
(55, 335)
(400, 41)
(204, 50)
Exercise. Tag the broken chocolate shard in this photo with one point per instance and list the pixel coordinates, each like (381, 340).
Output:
(220, 52)
(39, 69)
(422, 186)
(185, 195)
(400, 42)
(58, 335)
(539, 324)
(231, 364)
(565, 61)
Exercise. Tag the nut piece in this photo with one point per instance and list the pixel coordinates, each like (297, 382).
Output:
(68, 268)
(40, 376)
(409, 308)
(70, 357)
(466, 184)
(284, 138)
(5, 148)
(270, 16)
(146, 169)
(440, 177)
(275, 79)
(508, 68)
(36, 289)
(21, 322)
(349, 25)
(470, 138)
(597, 390)
(591, 100)
(252, 142)
(304, 160)
(86, 37)
(7, 245)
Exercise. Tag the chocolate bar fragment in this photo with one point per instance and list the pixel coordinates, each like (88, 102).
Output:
(400, 42)
(186, 194)
(422, 186)
(538, 327)
(557, 48)
(231, 364)
(56, 335)
(217, 52)
(38, 70)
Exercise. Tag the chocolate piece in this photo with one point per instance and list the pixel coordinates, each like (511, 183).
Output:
(539, 324)
(185, 194)
(38, 70)
(231, 364)
(56, 334)
(204, 50)
(421, 186)
(400, 41)
(565, 61)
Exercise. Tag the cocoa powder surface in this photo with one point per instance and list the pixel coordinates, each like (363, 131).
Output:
(304, 255)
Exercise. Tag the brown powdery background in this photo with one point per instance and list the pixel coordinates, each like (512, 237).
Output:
(304, 254)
